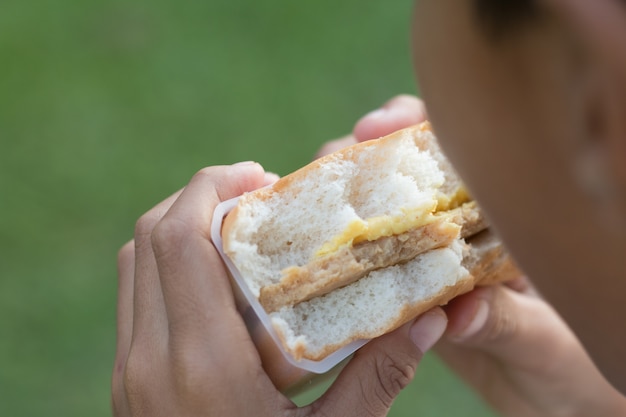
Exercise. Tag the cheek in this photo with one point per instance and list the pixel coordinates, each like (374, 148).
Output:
(478, 117)
(490, 125)
(502, 115)
(467, 93)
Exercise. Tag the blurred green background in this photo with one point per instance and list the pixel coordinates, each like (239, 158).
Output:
(106, 107)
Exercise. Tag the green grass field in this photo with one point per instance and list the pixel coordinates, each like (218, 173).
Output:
(108, 107)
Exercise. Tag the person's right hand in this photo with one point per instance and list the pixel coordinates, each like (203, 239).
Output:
(508, 343)
(520, 356)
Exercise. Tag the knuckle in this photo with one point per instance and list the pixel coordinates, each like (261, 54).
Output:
(144, 226)
(206, 173)
(503, 328)
(502, 325)
(218, 179)
(139, 377)
(134, 377)
(167, 236)
(394, 373)
(189, 373)
(136, 371)
(192, 375)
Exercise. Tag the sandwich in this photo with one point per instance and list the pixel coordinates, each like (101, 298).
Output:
(361, 241)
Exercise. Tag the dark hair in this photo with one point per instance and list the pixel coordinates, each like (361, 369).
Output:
(503, 17)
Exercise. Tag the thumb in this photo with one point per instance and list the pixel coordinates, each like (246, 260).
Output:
(500, 321)
(381, 369)
(233, 180)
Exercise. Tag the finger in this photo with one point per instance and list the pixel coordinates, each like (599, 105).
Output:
(503, 323)
(381, 369)
(482, 342)
(335, 145)
(125, 264)
(400, 112)
(196, 289)
(518, 353)
(149, 316)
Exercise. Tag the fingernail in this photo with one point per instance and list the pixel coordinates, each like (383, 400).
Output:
(427, 330)
(475, 325)
(244, 163)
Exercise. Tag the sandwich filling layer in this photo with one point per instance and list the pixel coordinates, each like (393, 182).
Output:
(352, 261)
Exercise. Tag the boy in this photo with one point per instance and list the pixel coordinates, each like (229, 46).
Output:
(528, 100)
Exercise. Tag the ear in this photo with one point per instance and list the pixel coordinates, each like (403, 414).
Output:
(599, 27)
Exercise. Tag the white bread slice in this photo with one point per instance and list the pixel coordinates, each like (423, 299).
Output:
(371, 306)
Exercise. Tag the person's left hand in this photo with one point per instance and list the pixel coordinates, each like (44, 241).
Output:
(183, 348)
(508, 343)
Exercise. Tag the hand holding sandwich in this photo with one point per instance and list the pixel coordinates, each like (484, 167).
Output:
(183, 348)
(508, 343)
